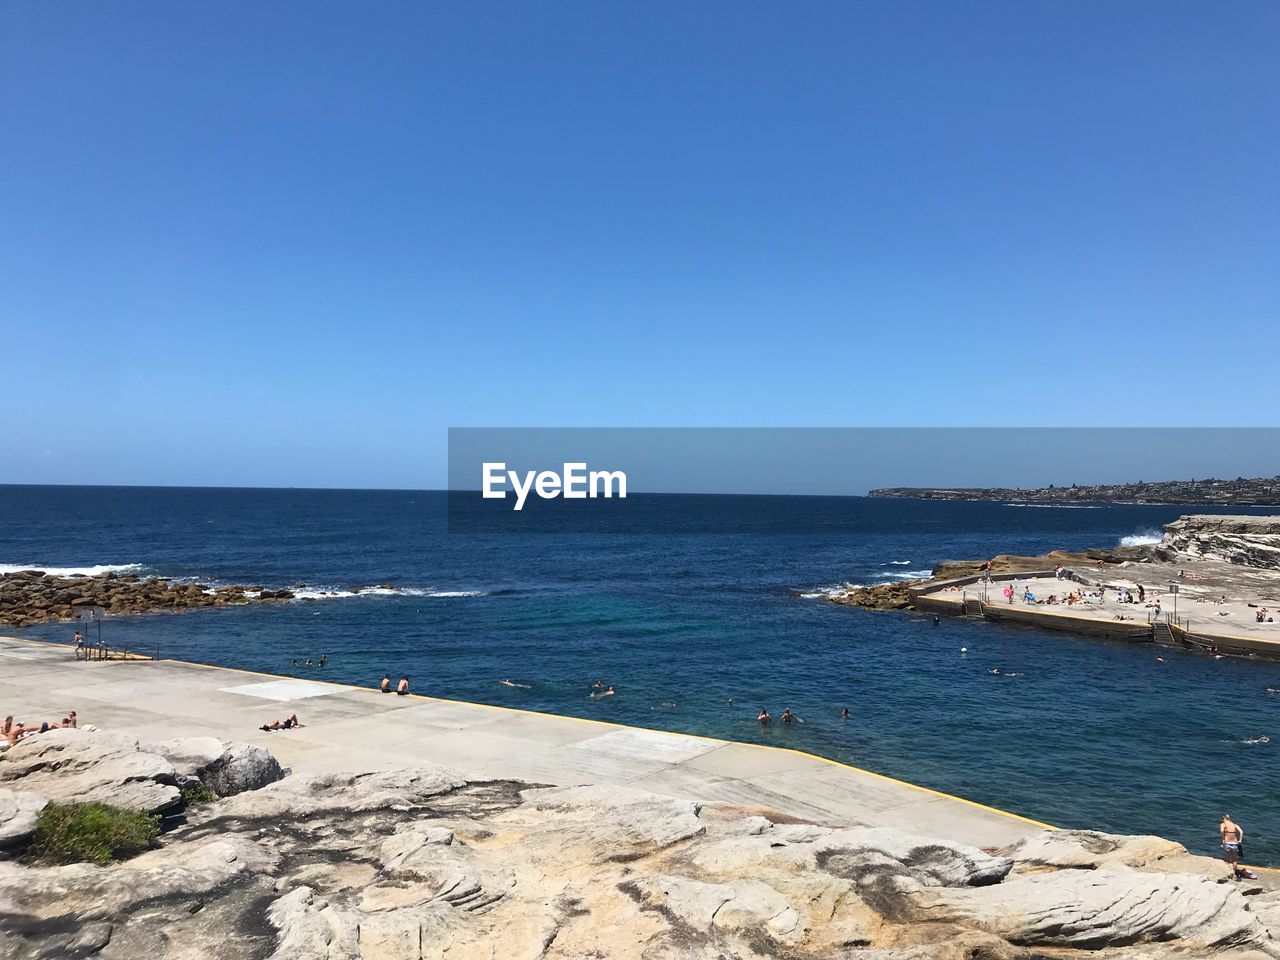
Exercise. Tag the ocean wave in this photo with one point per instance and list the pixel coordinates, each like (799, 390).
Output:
(338, 593)
(898, 563)
(905, 575)
(1142, 539)
(92, 571)
(1055, 506)
(826, 593)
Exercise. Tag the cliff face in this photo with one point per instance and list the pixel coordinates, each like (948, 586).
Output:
(1242, 540)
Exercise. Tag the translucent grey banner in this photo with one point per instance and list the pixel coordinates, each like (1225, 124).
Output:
(636, 480)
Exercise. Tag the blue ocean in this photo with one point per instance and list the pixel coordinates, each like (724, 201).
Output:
(698, 630)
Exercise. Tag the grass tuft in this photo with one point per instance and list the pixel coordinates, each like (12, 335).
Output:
(97, 832)
(197, 793)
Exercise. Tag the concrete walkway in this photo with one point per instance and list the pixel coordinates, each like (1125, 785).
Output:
(351, 729)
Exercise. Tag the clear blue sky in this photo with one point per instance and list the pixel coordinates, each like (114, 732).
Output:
(291, 243)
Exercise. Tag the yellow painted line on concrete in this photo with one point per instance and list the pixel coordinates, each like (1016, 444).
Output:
(625, 726)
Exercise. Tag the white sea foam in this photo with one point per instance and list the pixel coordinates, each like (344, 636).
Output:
(826, 593)
(72, 571)
(905, 575)
(1055, 506)
(336, 593)
(898, 563)
(1145, 538)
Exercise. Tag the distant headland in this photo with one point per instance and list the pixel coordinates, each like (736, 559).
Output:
(1241, 492)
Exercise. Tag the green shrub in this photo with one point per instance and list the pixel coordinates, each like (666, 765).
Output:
(71, 832)
(197, 793)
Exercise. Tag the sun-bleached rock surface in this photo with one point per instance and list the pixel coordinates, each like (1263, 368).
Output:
(1089, 850)
(87, 767)
(421, 863)
(1246, 541)
(225, 768)
(83, 766)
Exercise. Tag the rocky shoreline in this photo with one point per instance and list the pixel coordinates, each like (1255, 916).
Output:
(32, 596)
(899, 594)
(1235, 553)
(1241, 492)
(423, 863)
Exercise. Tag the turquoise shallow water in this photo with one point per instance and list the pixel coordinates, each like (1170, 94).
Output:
(1088, 734)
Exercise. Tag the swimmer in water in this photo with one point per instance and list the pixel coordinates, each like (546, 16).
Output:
(787, 715)
(670, 704)
(764, 717)
(844, 714)
(512, 683)
(936, 620)
(606, 692)
(598, 685)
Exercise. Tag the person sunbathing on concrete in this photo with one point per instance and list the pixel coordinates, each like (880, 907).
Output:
(402, 688)
(288, 723)
(385, 686)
